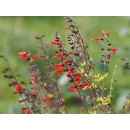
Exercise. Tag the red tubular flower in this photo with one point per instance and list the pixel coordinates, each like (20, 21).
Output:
(27, 111)
(113, 50)
(68, 62)
(59, 68)
(56, 43)
(59, 56)
(18, 88)
(78, 78)
(33, 94)
(108, 56)
(23, 55)
(98, 39)
(72, 52)
(34, 79)
(71, 71)
(47, 99)
(35, 57)
(73, 89)
(83, 85)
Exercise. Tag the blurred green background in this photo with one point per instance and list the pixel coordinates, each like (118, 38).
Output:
(17, 34)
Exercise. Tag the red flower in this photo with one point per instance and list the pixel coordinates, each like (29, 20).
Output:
(59, 56)
(35, 57)
(34, 79)
(83, 85)
(73, 89)
(27, 111)
(71, 71)
(56, 43)
(33, 94)
(69, 62)
(98, 39)
(59, 68)
(78, 77)
(108, 56)
(113, 50)
(18, 88)
(72, 52)
(47, 99)
(23, 55)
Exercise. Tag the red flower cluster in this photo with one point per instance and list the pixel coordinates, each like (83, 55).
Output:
(60, 56)
(71, 71)
(18, 88)
(107, 44)
(74, 77)
(78, 77)
(59, 68)
(73, 89)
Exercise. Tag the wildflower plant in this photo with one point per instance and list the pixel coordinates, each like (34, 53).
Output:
(43, 95)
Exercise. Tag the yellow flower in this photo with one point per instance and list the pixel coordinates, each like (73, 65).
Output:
(104, 101)
(90, 74)
(80, 70)
(90, 58)
(128, 102)
(83, 64)
(51, 96)
(94, 86)
(99, 77)
(87, 88)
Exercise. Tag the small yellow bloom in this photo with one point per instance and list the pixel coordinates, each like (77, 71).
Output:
(94, 86)
(80, 70)
(99, 77)
(90, 74)
(51, 96)
(128, 102)
(83, 64)
(90, 58)
(104, 101)
(87, 88)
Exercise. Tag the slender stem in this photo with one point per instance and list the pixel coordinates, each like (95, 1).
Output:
(112, 108)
